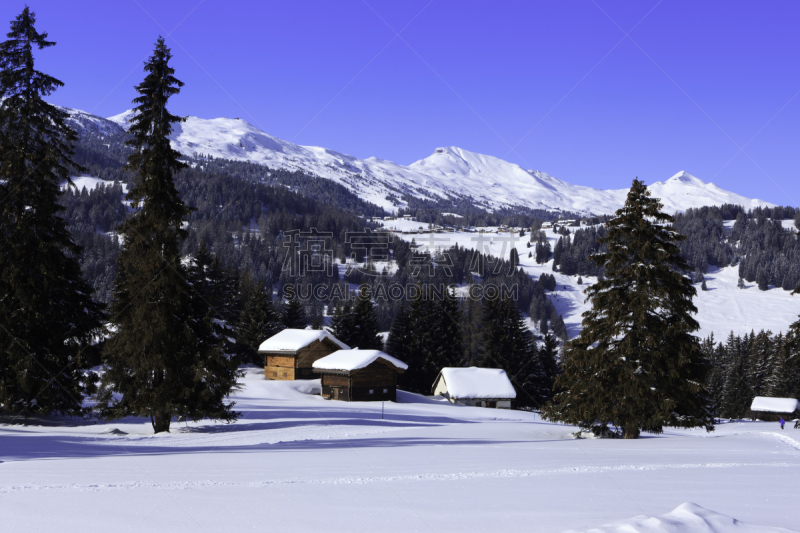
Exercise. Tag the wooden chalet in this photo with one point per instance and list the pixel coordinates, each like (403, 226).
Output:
(478, 387)
(359, 375)
(773, 409)
(290, 354)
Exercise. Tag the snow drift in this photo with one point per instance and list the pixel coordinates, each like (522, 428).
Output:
(686, 518)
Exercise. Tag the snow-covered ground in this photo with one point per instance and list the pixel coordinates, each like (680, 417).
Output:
(721, 309)
(296, 462)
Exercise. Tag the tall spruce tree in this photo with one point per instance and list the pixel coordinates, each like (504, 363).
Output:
(508, 344)
(47, 316)
(548, 354)
(421, 360)
(258, 321)
(636, 363)
(365, 322)
(398, 343)
(343, 323)
(449, 331)
(164, 359)
(293, 313)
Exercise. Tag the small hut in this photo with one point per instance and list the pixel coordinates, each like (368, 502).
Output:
(479, 387)
(289, 355)
(773, 409)
(359, 375)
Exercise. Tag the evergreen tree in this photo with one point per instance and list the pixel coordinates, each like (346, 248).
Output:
(703, 286)
(398, 343)
(357, 325)
(435, 335)
(740, 284)
(47, 317)
(548, 355)
(366, 322)
(218, 287)
(508, 344)
(560, 328)
(422, 366)
(165, 358)
(737, 394)
(762, 279)
(293, 313)
(257, 322)
(449, 332)
(343, 324)
(636, 363)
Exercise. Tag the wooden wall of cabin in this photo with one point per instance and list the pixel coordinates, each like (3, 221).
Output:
(331, 381)
(768, 416)
(280, 373)
(374, 383)
(314, 351)
(279, 367)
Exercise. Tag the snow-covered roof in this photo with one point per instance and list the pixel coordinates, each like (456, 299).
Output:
(291, 340)
(774, 405)
(348, 360)
(476, 382)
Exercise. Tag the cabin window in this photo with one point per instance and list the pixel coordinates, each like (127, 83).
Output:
(371, 391)
(385, 391)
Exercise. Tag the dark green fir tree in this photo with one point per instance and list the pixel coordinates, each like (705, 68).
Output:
(398, 343)
(343, 323)
(449, 331)
(258, 321)
(508, 344)
(164, 359)
(422, 365)
(47, 316)
(548, 355)
(293, 313)
(365, 322)
(636, 364)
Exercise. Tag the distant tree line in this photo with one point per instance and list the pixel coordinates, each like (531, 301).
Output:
(743, 367)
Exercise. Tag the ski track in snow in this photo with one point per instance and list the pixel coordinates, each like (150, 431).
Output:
(783, 438)
(361, 480)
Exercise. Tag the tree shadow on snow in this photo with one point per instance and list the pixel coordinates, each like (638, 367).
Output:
(40, 447)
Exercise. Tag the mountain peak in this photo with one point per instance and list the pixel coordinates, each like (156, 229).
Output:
(685, 177)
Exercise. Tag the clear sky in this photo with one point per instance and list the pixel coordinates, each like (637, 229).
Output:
(592, 92)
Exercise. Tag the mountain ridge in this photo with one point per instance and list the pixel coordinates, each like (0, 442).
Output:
(448, 174)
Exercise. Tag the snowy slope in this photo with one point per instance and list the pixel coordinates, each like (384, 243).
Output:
(449, 173)
(83, 122)
(721, 309)
(297, 463)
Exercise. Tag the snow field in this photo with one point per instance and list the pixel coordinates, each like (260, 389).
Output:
(296, 462)
(721, 309)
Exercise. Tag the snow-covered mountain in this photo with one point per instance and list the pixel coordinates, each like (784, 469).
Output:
(450, 173)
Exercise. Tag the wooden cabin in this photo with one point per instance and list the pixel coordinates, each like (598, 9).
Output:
(359, 375)
(478, 387)
(773, 409)
(290, 354)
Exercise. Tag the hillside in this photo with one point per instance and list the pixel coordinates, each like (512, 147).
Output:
(450, 174)
(721, 309)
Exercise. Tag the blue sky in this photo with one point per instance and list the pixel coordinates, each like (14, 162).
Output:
(592, 92)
